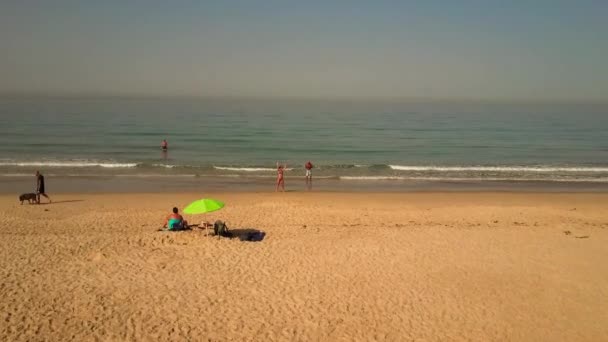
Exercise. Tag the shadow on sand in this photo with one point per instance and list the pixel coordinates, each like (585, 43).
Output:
(247, 234)
(243, 234)
(57, 202)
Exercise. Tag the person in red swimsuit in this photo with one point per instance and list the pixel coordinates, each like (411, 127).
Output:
(280, 177)
(164, 145)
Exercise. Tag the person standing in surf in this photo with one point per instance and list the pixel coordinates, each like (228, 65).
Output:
(164, 145)
(40, 187)
(308, 166)
(280, 176)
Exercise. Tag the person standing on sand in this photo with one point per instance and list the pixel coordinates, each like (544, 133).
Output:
(164, 145)
(308, 166)
(40, 187)
(280, 176)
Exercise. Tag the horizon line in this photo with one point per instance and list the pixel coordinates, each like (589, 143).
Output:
(371, 99)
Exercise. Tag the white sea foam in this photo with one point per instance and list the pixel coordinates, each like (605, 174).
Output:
(69, 164)
(166, 166)
(476, 179)
(373, 178)
(156, 175)
(501, 168)
(246, 169)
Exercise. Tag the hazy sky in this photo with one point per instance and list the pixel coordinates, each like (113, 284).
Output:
(482, 49)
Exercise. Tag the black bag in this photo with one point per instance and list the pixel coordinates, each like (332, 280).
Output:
(220, 228)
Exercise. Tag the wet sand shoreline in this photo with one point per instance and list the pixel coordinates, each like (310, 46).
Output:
(171, 184)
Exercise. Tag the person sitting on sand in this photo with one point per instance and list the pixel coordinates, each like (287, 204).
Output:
(175, 221)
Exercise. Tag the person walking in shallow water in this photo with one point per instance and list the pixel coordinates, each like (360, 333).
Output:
(308, 166)
(164, 146)
(280, 176)
(40, 187)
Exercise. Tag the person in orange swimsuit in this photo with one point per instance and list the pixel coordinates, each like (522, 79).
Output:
(280, 176)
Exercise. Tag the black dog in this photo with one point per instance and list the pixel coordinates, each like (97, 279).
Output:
(28, 197)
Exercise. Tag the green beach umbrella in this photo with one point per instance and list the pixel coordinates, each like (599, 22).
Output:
(202, 206)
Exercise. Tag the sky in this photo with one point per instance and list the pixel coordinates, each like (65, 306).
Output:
(530, 50)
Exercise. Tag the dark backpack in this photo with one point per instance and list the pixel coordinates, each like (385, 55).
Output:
(220, 228)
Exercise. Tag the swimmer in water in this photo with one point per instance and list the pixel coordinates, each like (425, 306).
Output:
(164, 145)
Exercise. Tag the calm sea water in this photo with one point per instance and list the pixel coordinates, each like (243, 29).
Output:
(345, 140)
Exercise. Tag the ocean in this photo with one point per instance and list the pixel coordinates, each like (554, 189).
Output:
(348, 141)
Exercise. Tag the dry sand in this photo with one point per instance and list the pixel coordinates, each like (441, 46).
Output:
(333, 267)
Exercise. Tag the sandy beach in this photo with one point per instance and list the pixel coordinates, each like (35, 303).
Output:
(332, 267)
